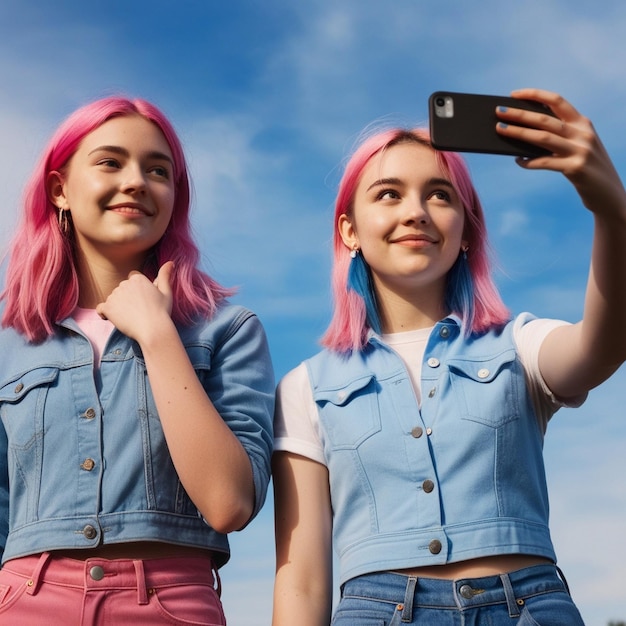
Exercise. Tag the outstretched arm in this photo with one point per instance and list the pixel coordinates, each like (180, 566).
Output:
(303, 519)
(574, 359)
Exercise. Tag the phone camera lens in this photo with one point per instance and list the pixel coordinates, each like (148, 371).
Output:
(439, 101)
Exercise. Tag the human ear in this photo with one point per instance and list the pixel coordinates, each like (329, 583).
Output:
(55, 188)
(347, 232)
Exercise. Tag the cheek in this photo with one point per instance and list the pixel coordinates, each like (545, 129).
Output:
(377, 225)
(453, 226)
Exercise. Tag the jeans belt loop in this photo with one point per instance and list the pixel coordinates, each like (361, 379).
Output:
(32, 586)
(142, 591)
(409, 595)
(511, 602)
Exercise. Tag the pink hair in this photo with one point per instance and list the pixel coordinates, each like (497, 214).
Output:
(348, 328)
(41, 280)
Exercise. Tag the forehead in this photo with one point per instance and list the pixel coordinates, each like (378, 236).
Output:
(402, 159)
(133, 132)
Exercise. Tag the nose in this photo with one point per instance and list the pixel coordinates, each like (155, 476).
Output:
(415, 211)
(134, 180)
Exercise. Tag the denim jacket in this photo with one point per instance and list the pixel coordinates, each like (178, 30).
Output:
(460, 478)
(83, 458)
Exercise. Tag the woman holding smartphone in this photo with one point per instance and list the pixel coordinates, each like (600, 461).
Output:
(413, 441)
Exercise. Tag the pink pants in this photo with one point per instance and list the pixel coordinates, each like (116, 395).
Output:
(56, 591)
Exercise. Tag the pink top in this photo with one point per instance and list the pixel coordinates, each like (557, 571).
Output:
(97, 330)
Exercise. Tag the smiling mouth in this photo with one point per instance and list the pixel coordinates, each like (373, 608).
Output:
(130, 208)
(415, 240)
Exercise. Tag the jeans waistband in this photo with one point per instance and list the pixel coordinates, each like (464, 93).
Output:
(513, 589)
(101, 574)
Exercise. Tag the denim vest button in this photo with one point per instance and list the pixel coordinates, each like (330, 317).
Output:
(89, 532)
(429, 431)
(483, 373)
(88, 465)
(432, 392)
(428, 486)
(19, 387)
(96, 572)
(434, 546)
(444, 333)
(90, 413)
(417, 432)
(433, 362)
(466, 591)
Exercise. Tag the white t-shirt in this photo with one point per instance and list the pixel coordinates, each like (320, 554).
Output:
(296, 423)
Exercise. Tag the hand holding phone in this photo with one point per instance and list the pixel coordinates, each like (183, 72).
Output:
(463, 122)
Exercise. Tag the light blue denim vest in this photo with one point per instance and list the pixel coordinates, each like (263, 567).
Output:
(83, 457)
(459, 479)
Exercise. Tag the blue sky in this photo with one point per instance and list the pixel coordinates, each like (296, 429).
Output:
(268, 98)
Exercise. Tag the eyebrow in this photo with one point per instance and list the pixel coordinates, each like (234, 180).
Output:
(155, 154)
(396, 181)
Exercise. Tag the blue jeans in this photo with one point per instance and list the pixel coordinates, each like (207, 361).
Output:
(534, 596)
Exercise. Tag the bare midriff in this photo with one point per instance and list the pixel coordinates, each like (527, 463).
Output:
(476, 568)
(134, 550)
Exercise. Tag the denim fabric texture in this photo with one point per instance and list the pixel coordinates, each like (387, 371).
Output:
(533, 596)
(460, 477)
(84, 452)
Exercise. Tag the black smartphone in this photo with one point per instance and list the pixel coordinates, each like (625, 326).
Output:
(465, 122)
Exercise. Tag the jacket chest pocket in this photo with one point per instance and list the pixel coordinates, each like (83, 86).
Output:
(487, 390)
(349, 413)
(22, 404)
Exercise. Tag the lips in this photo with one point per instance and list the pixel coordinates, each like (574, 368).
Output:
(130, 208)
(415, 237)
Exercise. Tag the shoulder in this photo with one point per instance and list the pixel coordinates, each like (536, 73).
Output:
(227, 321)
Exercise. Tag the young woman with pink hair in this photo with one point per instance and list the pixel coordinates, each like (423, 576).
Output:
(413, 441)
(136, 402)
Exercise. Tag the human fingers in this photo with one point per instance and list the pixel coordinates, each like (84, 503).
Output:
(562, 131)
(163, 282)
(164, 277)
(561, 107)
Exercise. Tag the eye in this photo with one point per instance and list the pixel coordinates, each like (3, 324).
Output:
(442, 195)
(161, 171)
(388, 194)
(109, 162)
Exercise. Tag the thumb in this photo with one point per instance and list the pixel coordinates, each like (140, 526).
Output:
(163, 281)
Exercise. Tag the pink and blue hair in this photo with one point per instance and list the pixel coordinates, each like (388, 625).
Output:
(470, 292)
(41, 286)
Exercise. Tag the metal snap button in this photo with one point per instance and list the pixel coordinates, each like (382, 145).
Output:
(88, 464)
(444, 333)
(432, 392)
(428, 485)
(417, 432)
(90, 532)
(19, 387)
(483, 373)
(467, 592)
(96, 572)
(90, 413)
(435, 546)
(433, 362)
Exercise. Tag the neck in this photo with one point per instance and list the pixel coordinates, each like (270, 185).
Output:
(98, 277)
(401, 312)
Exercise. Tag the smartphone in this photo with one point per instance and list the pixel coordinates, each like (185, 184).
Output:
(465, 122)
